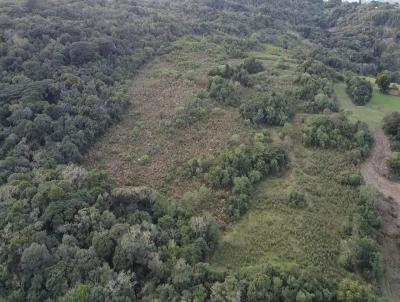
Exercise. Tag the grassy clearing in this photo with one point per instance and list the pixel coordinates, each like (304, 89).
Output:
(278, 232)
(372, 113)
(145, 148)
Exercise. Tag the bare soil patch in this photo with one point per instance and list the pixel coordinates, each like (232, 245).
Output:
(375, 172)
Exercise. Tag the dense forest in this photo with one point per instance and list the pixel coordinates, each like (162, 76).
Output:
(70, 232)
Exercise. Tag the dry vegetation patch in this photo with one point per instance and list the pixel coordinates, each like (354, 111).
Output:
(145, 149)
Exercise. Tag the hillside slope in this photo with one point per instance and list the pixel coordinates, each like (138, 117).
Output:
(188, 151)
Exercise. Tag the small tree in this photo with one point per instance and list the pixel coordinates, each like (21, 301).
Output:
(359, 90)
(383, 81)
(223, 91)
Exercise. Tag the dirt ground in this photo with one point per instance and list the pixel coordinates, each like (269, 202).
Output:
(375, 171)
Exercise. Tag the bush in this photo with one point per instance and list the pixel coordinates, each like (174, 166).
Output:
(238, 73)
(224, 71)
(383, 81)
(321, 103)
(310, 86)
(319, 69)
(252, 66)
(359, 90)
(223, 91)
(190, 114)
(337, 132)
(297, 199)
(246, 160)
(394, 165)
(351, 179)
(391, 126)
(268, 109)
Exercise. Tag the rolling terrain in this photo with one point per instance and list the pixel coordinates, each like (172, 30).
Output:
(203, 151)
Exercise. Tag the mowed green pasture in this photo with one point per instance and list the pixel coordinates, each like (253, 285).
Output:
(373, 112)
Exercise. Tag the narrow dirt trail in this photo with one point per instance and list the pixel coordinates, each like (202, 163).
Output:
(374, 171)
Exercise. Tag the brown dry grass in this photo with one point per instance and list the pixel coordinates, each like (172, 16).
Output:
(155, 100)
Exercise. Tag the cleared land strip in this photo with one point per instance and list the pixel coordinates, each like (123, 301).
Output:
(374, 171)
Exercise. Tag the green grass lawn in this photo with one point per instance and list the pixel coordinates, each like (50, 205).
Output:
(274, 231)
(372, 113)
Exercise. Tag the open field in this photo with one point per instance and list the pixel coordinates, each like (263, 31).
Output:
(276, 231)
(374, 111)
(145, 148)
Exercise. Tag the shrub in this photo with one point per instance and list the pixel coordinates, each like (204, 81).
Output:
(268, 109)
(319, 69)
(321, 103)
(394, 165)
(383, 81)
(244, 160)
(224, 71)
(351, 179)
(223, 91)
(391, 126)
(297, 199)
(252, 66)
(144, 159)
(337, 132)
(310, 86)
(190, 114)
(238, 73)
(359, 90)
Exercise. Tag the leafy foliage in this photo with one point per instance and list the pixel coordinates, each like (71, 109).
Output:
(223, 91)
(239, 168)
(359, 90)
(391, 126)
(383, 81)
(394, 165)
(69, 234)
(273, 109)
(338, 132)
(190, 114)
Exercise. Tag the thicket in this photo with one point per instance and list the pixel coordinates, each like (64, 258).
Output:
(268, 109)
(239, 167)
(312, 85)
(338, 133)
(221, 84)
(223, 91)
(360, 251)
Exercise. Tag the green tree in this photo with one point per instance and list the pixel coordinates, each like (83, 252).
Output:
(359, 90)
(260, 289)
(383, 81)
(227, 291)
(350, 290)
(35, 258)
(80, 293)
(223, 91)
